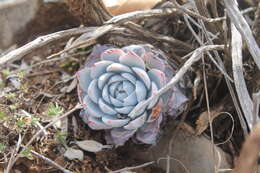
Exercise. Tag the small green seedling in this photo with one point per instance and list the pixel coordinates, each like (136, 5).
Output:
(6, 73)
(34, 121)
(54, 110)
(3, 116)
(2, 84)
(61, 137)
(27, 153)
(10, 95)
(20, 123)
(13, 107)
(21, 74)
(2, 147)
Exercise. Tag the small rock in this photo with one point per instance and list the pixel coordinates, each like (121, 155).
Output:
(194, 152)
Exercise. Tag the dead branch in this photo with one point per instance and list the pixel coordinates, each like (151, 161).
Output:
(194, 14)
(244, 29)
(141, 15)
(158, 37)
(219, 64)
(205, 84)
(132, 167)
(90, 39)
(240, 84)
(51, 162)
(227, 78)
(41, 41)
(203, 10)
(176, 160)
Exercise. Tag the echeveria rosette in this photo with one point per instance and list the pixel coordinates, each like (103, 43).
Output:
(114, 81)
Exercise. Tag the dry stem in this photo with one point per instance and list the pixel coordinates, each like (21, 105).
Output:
(39, 42)
(133, 167)
(240, 84)
(244, 29)
(51, 162)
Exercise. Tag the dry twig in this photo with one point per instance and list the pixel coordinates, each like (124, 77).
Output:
(141, 15)
(209, 114)
(240, 84)
(227, 78)
(178, 161)
(91, 39)
(39, 42)
(218, 64)
(133, 167)
(158, 37)
(239, 21)
(51, 162)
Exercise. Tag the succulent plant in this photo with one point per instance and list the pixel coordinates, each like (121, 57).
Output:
(114, 81)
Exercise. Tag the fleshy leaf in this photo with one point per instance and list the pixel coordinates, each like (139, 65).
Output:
(153, 91)
(132, 60)
(84, 79)
(156, 112)
(137, 49)
(121, 96)
(72, 154)
(139, 110)
(128, 87)
(148, 133)
(124, 110)
(120, 88)
(119, 135)
(158, 77)
(105, 94)
(116, 67)
(99, 68)
(152, 61)
(136, 123)
(102, 80)
(115, 83)
(140, 91)
(129, 77)
(91, 145)
(115, 102)
(114, 122)
(106, 108)
(116, 78)
(84, 115)
(95, 54)
(143, 76)
(112, 88)
(92, 108)
(131, 100)
(112, 55)
(93, 92)
(97, 124)
(177, 102)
